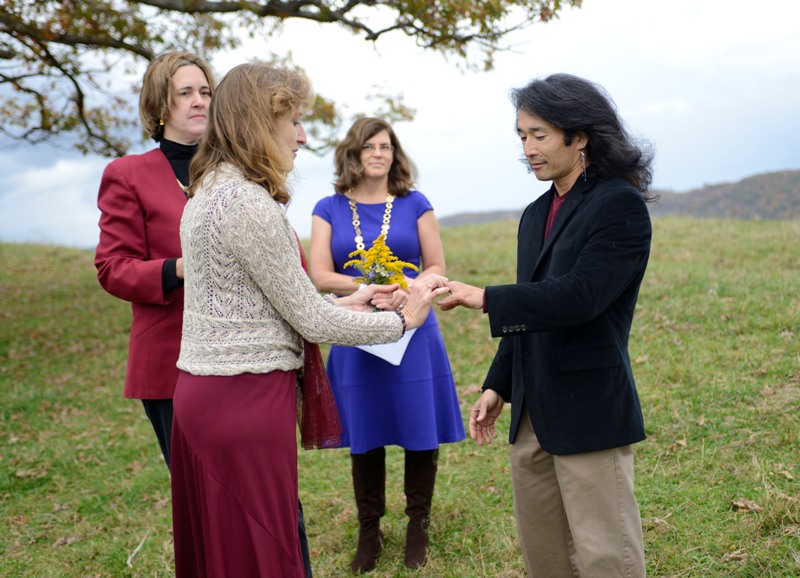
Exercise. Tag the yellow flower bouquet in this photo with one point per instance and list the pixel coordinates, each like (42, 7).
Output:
(379, 265)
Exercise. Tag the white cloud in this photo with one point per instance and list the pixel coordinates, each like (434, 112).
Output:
(714, 84)
(55, 204)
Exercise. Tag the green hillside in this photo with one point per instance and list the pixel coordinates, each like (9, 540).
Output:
(716, 346)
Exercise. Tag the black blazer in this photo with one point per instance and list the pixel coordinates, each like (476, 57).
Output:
(565, 323)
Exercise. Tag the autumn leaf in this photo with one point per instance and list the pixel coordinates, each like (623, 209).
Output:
(745, 506)
(677, 444)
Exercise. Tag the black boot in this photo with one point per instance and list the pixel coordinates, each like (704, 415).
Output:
(369, 483)
(420, 476)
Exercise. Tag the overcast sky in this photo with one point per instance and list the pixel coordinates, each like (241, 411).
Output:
(714, 85)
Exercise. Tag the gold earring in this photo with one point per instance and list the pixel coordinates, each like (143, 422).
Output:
(160, 122)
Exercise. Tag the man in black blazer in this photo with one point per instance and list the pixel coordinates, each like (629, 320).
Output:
(563, 360)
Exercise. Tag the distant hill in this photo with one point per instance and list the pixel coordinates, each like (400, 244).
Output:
(766, 196)
(479, 218)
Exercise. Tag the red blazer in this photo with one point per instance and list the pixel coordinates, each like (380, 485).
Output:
(141, 205)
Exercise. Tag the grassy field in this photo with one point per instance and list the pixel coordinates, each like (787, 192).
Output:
(716, 344)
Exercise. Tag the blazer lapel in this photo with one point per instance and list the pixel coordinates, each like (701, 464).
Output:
(574, 199)
(531, 237)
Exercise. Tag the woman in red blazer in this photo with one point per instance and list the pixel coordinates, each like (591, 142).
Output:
(141, 200)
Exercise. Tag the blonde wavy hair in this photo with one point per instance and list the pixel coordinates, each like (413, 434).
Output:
(242, 126)
(158, 93)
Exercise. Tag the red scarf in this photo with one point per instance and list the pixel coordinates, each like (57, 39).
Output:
(317, 414)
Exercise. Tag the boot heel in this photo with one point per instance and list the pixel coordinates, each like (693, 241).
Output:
(416, 543)
(370, 544)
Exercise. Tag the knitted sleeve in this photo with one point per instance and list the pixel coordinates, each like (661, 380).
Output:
(256, 231)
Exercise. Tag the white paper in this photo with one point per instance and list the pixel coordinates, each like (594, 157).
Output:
(391, 352)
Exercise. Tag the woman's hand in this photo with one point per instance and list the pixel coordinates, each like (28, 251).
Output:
(390, 301)
(415, 304)
(368, 297)
(420, 297)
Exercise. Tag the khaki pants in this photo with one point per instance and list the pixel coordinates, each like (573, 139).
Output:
(576, 515)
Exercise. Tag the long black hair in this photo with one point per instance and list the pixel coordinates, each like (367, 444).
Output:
(573, 104)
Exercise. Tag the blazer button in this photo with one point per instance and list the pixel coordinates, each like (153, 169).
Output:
(505, 329)
(524, 327)
(516, 328)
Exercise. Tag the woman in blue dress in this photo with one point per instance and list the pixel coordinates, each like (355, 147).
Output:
(413, 405)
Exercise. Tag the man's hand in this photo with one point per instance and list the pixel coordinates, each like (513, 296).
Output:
(461, 294)
(483, 415)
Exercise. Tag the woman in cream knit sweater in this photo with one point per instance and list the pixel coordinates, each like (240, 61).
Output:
(249, 308)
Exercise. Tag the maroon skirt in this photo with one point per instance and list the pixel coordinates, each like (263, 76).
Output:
(234, 476)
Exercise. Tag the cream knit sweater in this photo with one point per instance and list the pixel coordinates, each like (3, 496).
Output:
(248, 302)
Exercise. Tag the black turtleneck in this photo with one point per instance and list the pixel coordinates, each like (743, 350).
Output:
(179, 156)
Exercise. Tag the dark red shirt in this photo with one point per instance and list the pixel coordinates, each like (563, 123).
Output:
(555, 206)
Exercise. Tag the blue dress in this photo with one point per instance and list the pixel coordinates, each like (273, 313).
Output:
(413, 405)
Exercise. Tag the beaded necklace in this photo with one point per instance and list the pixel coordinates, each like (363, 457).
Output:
(387, 217)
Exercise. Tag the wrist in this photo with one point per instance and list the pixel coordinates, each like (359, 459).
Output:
(402, 320)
